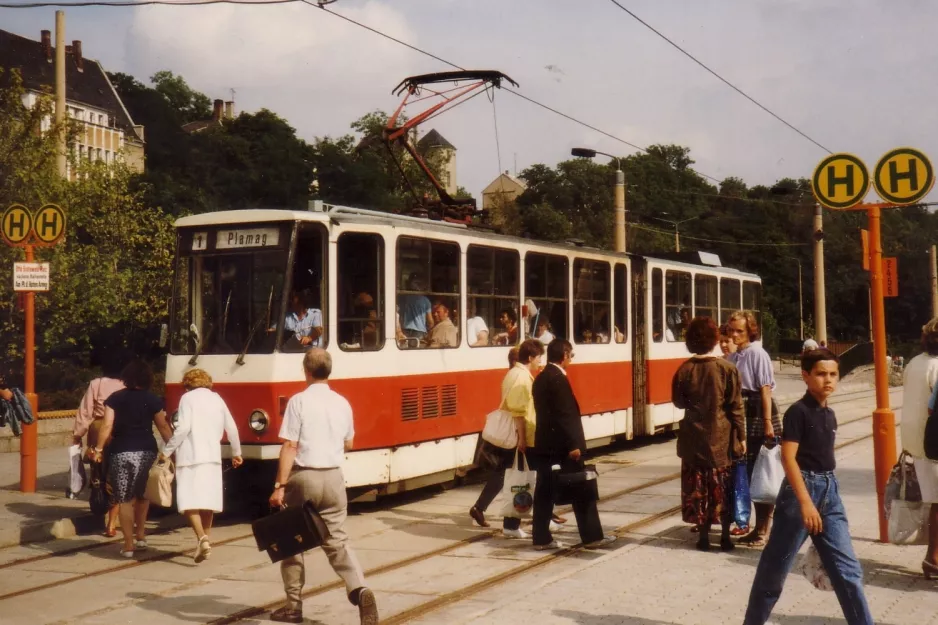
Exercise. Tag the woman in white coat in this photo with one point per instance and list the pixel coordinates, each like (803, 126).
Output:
(196, 441)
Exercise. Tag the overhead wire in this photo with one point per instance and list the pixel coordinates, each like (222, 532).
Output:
(718, 76)
(724, 241)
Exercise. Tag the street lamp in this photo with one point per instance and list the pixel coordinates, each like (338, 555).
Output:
(800, 296)
(677, 225)
(619, 190)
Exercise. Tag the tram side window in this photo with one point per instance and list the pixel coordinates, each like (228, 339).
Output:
(546, 286)
(427, 293)
(591, 299)
(621, 290)
(361, 291)
(730, 301)
(304, 323)
(705, 296)
(677, 293)
(492, 278)
(657, 310)
(752, 299)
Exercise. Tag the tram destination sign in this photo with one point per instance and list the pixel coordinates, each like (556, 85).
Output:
(247, 237)
(31, 277)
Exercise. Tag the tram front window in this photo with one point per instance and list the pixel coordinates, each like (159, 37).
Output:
(230, 300)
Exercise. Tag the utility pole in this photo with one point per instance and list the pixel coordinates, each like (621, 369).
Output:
(820, 302)
(677, 239)
(933, 257)
(61, 149)
(620, 208)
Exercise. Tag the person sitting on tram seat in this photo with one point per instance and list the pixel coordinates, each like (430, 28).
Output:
(543, 333)
(478, 331)
(415, 308)
(364, 308)
(303, 321)
(509, 321)
(444, 333)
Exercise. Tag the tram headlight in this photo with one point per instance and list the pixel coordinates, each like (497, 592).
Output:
(259, 421)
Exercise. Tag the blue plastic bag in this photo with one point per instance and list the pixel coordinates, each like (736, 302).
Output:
(741, 502)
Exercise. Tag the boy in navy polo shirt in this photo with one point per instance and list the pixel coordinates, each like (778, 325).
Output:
(809, 501)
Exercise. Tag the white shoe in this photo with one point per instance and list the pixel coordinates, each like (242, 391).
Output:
(518, 533)
(602, 542)
(203, 551)
(555, 527)
(554, 544)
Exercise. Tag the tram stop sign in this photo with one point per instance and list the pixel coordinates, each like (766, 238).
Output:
(16, 225)
(903, 176)
(840, 181)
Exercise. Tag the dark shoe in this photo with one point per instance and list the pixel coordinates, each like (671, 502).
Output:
(367, 607)
(726, 544)
(929, 569)
(753, 539)
(703, 545)
(478, 516)
(286, 615)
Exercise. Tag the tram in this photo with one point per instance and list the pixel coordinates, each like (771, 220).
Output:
(418, 409)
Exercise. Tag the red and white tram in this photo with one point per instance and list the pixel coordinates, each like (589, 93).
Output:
(418, 410)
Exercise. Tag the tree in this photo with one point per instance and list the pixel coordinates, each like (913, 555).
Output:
(189, 104)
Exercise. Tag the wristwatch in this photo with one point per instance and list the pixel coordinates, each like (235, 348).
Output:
(277, 485)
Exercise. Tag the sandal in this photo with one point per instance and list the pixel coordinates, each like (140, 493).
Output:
(753, 539)
(110, 532)
(740, 531)
(558, 519)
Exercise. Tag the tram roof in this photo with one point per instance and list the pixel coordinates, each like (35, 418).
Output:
(354, 215)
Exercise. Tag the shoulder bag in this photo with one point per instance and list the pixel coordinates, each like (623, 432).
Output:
(160, 483)
(500, 429)
(290, 531)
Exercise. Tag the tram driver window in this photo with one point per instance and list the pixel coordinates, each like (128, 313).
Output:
(677, 294)
(304, 322)
(427, 313)
(360, 291)
(546, 287)
(591, 301)
(657, 312)
(492, 277)
(621, 291)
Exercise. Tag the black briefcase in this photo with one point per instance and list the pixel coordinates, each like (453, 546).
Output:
(573, 486)
(290, 531)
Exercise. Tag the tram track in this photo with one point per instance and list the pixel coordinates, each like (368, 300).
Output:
(477, 587)
(159, 556)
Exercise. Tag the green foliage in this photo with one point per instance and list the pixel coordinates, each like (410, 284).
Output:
(190, 105)
(110, 276)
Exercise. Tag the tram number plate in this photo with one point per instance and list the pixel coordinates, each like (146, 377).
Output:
(199, 241)
(255, 237)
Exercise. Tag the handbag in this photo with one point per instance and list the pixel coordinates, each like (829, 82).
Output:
(290, 531)
(518, 489)
(576, 486)
(160, 483)
(500, 429)
(767, 475)
(813, 569)
(905, 511)
(98, 499)
(742, 502)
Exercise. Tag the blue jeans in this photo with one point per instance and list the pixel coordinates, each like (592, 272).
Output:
(833, 545)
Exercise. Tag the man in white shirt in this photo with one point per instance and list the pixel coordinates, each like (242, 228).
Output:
(316, 432)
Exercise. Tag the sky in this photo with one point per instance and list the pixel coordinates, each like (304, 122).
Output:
(854, 75)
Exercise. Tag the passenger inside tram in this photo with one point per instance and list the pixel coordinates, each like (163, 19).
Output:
(415, 309)
(476, 328)
(509, 321)
(543, 333)
(444, 332)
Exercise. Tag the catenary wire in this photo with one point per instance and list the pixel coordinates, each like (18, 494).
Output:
(134, 3)
(723, 241)
(718, 76)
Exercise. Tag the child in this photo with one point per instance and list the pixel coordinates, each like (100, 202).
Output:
(809, 501)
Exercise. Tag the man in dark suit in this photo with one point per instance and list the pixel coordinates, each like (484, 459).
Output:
(559, 439)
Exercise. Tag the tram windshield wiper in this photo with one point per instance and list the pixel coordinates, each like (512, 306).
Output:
(247, 343)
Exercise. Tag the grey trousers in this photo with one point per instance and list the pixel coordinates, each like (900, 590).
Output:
(325, 488)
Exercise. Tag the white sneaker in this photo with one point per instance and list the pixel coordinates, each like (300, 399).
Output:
(602, 542)
(203, 551)
(518, 533)
(555, 527)
(554, 544)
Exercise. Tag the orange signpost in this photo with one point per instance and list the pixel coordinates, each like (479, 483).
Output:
(21, 229)
(841, 181)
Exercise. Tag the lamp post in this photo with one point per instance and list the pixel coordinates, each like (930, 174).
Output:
(619, 191)
(800, 298)
(677, 226)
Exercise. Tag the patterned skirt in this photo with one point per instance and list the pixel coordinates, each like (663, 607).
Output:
(704, 493)
(128, 473)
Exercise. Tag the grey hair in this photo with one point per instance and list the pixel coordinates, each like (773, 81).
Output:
(318, 363)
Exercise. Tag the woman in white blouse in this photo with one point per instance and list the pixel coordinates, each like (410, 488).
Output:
(203, 418)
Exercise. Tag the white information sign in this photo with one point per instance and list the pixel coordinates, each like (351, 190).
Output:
(31, 276)
(199, 241)
(249, 237)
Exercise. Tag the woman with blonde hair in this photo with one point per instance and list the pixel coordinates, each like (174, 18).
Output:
(203, 418)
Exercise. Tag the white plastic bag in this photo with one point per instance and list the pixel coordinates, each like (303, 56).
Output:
(813, 569)
(518, 490)
(500, 429)
(906, 519)
(767, 475)
(76, 472)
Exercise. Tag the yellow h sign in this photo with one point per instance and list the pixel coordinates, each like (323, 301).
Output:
(840, 181)
(903, 176)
